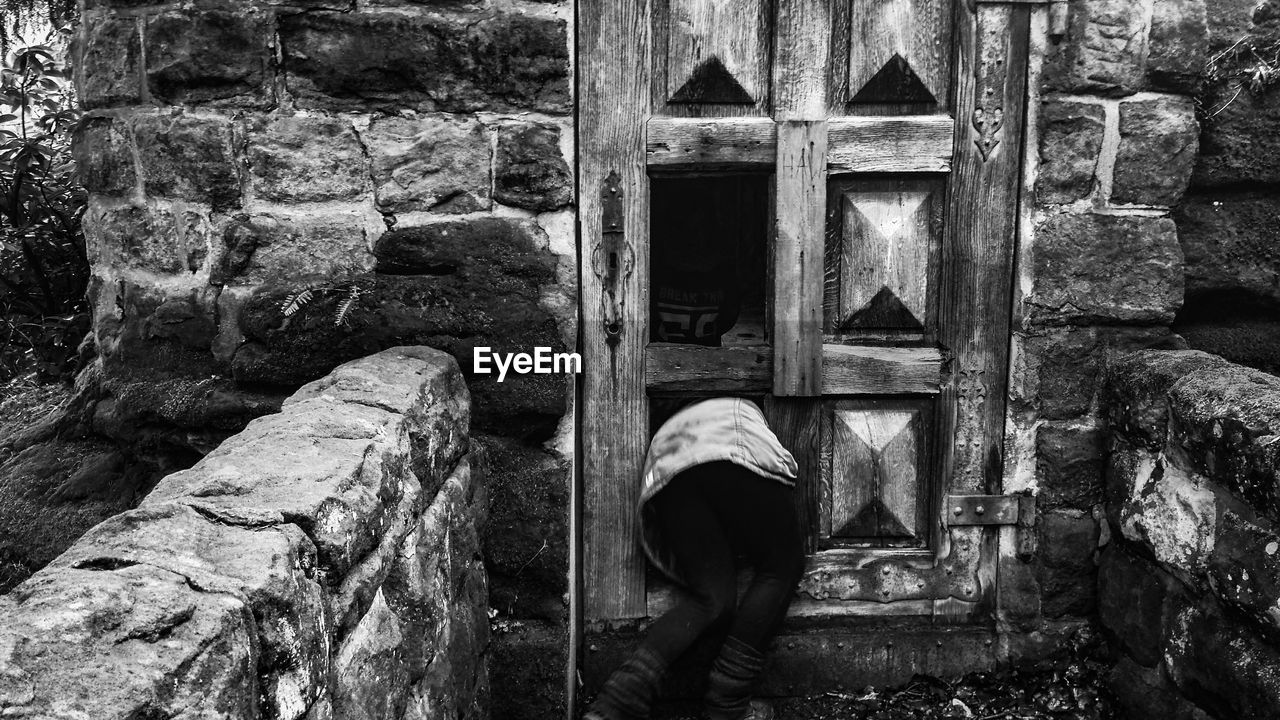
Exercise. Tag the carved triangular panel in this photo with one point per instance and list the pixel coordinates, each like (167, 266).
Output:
(884, 310)
(898, 52)
(879, 260)
(717, 52)
(874, 520)
(711, 83)
(896, 82)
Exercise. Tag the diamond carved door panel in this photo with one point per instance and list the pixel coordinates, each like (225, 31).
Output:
(881, 251)
(889, 133)
(874, 479)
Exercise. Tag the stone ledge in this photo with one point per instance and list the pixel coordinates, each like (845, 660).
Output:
(1217, 419)
(289, 573)
(1191, 584)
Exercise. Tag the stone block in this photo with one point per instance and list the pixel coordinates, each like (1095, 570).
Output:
(191, 158)
(1069, 466)
(1103, 51)
(1131, 603)
(125, 642)
(306, 159)
(269, 567)
(1229, 245)
(107, 68)
(279, 248)
(339, 470)
(104, 157)
(481, 285)
(1223, 666)
(1144, 692)
(1063, 366)
(1162, 507)
(1070, 138)
(503, 62)
(1239, 145)
(317, 477)
(1159, 137)
(1230, 20)
(150, 237)
(529, 170)
(436, 164)
(209, 55)
(436, 404)
(1105, 269)
(371, 677)
(1178, 45)
(1244, 570)
(1226, 420)
(1137, 389)
(1068, 541)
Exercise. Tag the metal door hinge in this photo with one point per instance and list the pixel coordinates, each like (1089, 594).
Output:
(1018, 510)
(986, 509)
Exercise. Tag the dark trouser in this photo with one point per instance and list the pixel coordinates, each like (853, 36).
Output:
(708, 516)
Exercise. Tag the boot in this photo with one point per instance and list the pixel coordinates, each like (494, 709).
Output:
(628, 693)
(733, 677)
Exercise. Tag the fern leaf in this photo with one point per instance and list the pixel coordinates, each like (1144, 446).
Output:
(344, 307)
(295, 301)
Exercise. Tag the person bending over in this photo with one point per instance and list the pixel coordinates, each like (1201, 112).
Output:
(717, 485)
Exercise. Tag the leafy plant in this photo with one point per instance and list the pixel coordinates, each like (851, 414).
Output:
(43, 266)
(1253, 63)
(345, 291)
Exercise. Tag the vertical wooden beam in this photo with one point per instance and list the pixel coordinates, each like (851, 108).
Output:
(801, 62)
(798, 257)
(613, 102)
(979, 239)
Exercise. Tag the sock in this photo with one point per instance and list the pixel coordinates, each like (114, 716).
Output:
(733, 676)
(628, 693)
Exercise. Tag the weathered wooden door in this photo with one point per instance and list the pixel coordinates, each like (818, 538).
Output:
(888, 135)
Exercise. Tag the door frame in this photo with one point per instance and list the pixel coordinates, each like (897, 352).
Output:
(613, 108)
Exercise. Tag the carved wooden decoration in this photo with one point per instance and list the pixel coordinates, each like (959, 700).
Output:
(880, 238)
(875, 482)
(898, 51)
(717, 51)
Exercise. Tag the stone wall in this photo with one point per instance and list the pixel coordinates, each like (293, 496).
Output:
(1228, 220)
(323, 563)
(1100, 267)
(1189, 583)
(399, 170)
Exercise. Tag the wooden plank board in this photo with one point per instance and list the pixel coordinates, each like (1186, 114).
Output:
(978, 248)
(801, 49)
(978, 239)
(905, 144)
(798, 249)
(614, 49)
(872, 370)
(717, 51)
(708, 144)
(707, 370)
(846, 369)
